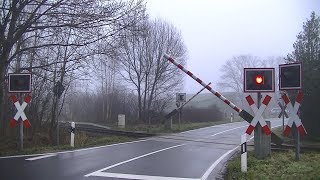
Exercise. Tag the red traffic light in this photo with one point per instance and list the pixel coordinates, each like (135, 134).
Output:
(259, 79)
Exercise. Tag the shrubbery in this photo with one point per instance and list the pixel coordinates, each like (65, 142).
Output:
(211, 113)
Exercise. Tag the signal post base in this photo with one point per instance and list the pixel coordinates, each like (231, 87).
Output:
(262, 142)
(296, 136)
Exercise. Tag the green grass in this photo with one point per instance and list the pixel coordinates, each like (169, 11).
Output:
(82, 140)
(305, 141)
(281, 165)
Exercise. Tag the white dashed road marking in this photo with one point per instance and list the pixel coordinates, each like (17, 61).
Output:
(41, 157)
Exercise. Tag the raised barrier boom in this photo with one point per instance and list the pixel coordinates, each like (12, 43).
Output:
(242, 113)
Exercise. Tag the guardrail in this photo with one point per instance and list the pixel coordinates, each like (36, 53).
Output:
(95, 128)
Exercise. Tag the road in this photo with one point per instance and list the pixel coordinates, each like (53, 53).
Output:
(191, 155)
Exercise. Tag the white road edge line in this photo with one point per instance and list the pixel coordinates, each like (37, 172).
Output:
(228, 130)
(140, 177)
(83, 149)
(129, 160)
(41, 157)
(211, 168)
(110, 145)
(144, 177)
(18, 156)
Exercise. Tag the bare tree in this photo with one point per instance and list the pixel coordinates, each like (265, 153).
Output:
(142, 64)
(32, 32)
(232, 72)
(232, 77)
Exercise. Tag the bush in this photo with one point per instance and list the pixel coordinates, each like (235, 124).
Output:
(211, 113)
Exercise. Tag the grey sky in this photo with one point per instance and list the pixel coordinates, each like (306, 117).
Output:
(216, 30)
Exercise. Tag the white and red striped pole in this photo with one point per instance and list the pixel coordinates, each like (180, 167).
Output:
(221, 97)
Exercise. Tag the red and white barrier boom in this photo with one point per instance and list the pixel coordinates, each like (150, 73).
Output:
(225, 100)
(293, 114)
(20, 112)
(258, 115)
(242, 113)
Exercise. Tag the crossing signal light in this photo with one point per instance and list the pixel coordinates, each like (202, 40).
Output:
(290, 76)
(259, 80)
(20, 83)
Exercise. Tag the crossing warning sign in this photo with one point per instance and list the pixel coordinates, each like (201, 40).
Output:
(290, 76)
(293, 115)
(20, 83)
(258, 115)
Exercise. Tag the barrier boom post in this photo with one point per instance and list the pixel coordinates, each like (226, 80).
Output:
(242, 113)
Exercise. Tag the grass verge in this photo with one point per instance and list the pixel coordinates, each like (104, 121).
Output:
(281, 165)
(9, 147)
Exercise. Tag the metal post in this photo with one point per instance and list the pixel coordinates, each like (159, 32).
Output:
(179, 117)
(258, 132)
(231, 117)
(21, 134)
(259, 99)
(262, 142)
(20, 128)
(283, 111)
(58, 132)
(181, 114)
(297, 141)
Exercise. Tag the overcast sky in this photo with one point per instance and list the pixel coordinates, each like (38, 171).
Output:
(216, 30)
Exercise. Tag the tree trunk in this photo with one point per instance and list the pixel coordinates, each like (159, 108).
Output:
(3, 71)
(139, 104)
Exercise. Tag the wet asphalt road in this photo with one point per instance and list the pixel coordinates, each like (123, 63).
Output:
(196, 154)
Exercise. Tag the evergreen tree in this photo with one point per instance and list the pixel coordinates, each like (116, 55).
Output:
(307, 51)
